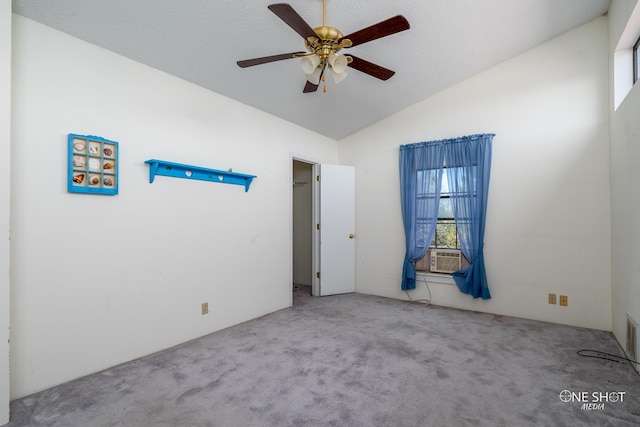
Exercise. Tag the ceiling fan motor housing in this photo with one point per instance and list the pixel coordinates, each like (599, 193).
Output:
(326, 45)
(328, 34)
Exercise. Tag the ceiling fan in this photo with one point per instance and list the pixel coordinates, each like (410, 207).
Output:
(323, 44)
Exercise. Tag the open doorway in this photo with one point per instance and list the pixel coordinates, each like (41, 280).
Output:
(303, 229)
(323, 228)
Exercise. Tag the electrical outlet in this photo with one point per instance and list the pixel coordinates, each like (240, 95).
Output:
(205, 308)
(552, 298)
(564, 300)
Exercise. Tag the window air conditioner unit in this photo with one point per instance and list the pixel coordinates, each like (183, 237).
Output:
(445, 260)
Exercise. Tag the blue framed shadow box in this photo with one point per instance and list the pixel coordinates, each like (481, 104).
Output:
(93, 165)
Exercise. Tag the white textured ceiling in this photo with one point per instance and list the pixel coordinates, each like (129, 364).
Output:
(201, 40)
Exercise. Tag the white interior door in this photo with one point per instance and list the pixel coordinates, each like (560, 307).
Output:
(337, 229)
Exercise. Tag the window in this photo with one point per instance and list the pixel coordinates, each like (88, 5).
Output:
(446, 228)
(636, 61)
(446, 234)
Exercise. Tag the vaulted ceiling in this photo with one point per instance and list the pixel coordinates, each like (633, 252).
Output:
(201, 40)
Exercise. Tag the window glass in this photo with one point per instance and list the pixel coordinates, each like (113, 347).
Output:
(636, 61)
(445, 210)
(446, 235)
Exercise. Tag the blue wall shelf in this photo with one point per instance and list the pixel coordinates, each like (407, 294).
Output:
(178, 170)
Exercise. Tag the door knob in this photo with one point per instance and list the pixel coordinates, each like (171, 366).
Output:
(351, 236)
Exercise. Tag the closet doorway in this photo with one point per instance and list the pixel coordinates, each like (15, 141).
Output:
(303, 229)
(323, 217)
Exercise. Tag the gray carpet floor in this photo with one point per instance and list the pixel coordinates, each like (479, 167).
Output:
(357, 360)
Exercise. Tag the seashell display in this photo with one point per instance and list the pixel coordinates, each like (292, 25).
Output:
(92, 165)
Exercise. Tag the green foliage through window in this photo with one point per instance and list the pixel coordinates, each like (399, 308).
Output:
(446, 235)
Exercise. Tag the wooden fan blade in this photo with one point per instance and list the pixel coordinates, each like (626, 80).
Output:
(370, 68)
(266, 59)
(381, 29)
(292, 19)
(310, 87)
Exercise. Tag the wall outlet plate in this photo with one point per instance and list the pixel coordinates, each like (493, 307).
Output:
(564, 300)
(205, 308)
(552, 298)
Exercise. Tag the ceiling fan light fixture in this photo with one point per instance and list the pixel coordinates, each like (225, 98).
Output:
(338, 62)
(314, 77)
(338, 77)
(310, 63)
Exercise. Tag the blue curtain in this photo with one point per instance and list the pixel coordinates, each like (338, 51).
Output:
(420, 179)
(468, 161)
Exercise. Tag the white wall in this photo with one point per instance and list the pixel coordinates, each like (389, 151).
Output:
(548, 215)
(99, 280)
(625, 181)
(5, 196)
